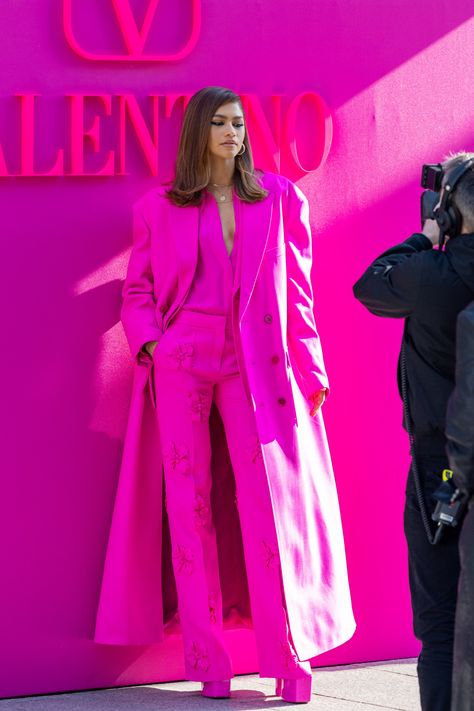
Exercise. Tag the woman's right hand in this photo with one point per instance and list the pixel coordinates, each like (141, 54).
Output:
(317, 399)
(149, 347)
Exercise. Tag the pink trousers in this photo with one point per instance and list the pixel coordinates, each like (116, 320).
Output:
(195, 364)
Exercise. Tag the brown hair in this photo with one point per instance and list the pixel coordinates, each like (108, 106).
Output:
(193, 169)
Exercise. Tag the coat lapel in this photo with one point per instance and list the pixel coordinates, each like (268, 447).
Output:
(184, 227)
(255, 220)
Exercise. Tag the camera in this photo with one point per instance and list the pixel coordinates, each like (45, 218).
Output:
(432, 176)
(431, 179)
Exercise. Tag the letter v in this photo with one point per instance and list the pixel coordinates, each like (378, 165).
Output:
(133, 37)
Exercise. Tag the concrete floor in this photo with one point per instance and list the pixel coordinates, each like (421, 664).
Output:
(359, 687)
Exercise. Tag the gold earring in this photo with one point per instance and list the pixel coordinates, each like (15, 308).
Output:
(241, 154)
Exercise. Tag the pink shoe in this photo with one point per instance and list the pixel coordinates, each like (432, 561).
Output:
(296, 691)
(215, 689)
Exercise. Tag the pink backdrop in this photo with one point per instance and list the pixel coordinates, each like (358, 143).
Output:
(384, 70)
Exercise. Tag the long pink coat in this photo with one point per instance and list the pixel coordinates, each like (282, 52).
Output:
(280, 349)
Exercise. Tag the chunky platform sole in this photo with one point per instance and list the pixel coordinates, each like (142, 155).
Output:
(215, 689)
(295, 691)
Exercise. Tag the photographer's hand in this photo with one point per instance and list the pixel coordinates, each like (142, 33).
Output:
(432, 231)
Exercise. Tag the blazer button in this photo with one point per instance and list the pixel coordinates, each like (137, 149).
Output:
(268, 318)
(282, 401)
(275, 359)
(163, 307)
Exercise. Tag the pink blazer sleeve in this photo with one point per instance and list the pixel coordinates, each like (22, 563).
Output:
(303, 339)
(138, 307)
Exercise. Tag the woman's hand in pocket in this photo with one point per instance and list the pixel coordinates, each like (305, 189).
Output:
(149, 347)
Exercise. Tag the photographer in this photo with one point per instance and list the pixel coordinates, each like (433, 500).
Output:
(428, 288)
(460, 434)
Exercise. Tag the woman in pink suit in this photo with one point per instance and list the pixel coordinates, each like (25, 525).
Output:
(218, 309)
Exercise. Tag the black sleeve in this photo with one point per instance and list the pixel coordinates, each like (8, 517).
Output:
(390, 286)
(460, 413)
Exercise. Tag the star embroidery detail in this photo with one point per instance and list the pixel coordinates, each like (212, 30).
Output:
(270, 555)
(181, 355)
(184, 561)
(201, 511)
(198, 657)
(199, 404)
(177, 457)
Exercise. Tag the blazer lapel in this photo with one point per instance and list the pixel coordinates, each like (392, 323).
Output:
(254, 229)
(255, 220)
(183, 225)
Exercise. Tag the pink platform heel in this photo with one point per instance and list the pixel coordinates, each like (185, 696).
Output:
(215, 689)
(296, 691)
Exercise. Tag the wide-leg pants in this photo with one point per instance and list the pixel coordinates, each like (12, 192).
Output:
(195, 364)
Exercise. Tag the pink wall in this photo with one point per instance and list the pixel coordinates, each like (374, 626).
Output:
(383, 69)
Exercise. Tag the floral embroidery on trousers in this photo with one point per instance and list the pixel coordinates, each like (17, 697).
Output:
(181, 355)
(183, 560)
(198, 657)
(199, 404)
(201, 511)
(270, 555)
(177, 457)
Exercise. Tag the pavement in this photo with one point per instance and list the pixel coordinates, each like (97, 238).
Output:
(358, 687)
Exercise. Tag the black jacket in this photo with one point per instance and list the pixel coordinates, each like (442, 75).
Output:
(460, 414)
(428, 288)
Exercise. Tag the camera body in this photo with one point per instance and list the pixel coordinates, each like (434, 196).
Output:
(431, 179)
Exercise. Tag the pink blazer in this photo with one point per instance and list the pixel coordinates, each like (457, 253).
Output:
(164, 259)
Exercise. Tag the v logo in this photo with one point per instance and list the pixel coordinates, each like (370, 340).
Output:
(133, 37)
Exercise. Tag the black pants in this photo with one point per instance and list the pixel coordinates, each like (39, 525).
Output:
(463, 671)
(434, 573)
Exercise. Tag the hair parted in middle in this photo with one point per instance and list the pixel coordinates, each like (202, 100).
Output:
(193, 166)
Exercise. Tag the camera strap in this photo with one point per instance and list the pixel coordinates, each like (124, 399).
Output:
(432, 539)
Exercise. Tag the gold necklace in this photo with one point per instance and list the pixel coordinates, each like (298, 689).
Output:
(222, 196)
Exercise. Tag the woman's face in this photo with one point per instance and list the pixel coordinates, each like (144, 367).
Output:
(227, 131)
